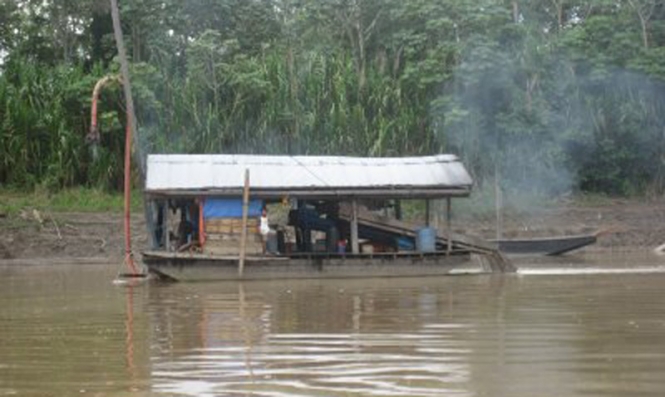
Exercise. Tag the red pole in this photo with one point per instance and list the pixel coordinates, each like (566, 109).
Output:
(129, 258)
(94, 137)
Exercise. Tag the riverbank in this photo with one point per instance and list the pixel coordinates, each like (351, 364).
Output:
(625, 224)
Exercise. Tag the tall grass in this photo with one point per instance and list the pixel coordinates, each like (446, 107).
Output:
(78, 199)
(260, 106)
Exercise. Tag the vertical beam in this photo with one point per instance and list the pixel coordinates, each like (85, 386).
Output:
(165, 226)
(498, 203)
(428, 212)
(243, 236)
(449, 231)
(152, 220)
(355, 246)
(398, 210)
(202, 227)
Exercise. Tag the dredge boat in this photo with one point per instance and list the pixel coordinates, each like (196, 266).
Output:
(239, 217)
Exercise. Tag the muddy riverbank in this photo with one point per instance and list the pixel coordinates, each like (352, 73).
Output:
(627, 225)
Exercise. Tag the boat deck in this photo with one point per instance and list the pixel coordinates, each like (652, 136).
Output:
(196, 266)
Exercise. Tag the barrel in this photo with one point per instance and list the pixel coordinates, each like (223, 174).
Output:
(426, 239)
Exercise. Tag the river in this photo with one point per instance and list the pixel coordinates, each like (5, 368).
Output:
(586, 326)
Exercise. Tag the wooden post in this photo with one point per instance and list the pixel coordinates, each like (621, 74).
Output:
(243, 236)
(449, 231)
(355, 247)
(498, 203)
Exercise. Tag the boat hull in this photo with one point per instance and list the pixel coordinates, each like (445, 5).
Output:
(545, 246)
(198, 267)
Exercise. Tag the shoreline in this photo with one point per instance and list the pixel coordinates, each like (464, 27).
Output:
(627, 225)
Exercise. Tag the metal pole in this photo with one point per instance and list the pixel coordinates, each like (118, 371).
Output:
(449, 231)
(498, 203)
(243, 236)
(129, 259)
(167, 230)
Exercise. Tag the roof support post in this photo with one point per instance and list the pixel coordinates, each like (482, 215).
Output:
(449, 231)
(166, 226)
(436, 214)
(355, 246)
(243, 236)
(428, 212)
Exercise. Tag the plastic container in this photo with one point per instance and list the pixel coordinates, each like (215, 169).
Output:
(426, 239)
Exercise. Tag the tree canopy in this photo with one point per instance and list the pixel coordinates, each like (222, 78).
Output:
(549, 95)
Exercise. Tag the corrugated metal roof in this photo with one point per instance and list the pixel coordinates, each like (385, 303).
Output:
(226, 172)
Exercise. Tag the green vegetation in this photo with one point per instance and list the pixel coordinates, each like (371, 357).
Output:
(548, 96)
(73, 199)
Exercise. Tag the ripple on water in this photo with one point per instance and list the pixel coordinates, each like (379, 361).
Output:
(506, 336)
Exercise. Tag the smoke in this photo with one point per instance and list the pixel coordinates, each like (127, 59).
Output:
(550, 127)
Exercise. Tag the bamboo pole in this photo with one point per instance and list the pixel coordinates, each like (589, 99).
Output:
(243, 237)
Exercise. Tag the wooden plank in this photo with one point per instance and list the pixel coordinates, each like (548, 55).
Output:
(459, 241)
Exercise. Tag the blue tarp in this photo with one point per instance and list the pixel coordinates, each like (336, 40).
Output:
(230, 208)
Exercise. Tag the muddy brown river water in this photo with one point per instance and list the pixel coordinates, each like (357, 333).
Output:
(576, 326)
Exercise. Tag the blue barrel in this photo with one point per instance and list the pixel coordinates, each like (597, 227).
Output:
(426, 239)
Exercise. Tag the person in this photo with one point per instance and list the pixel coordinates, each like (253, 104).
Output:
(185, 229)
(264, 229)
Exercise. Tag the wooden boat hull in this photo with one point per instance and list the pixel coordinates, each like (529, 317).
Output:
(545, 246)
(199, 267)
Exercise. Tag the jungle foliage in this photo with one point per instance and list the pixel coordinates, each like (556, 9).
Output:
(549, 96)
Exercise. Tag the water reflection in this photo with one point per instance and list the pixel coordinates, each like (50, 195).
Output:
(499, 336)
(69, 331)
(62, 332)
(307, 338)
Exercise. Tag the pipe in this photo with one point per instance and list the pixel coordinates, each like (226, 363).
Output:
(129, 257)
(93, 138)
